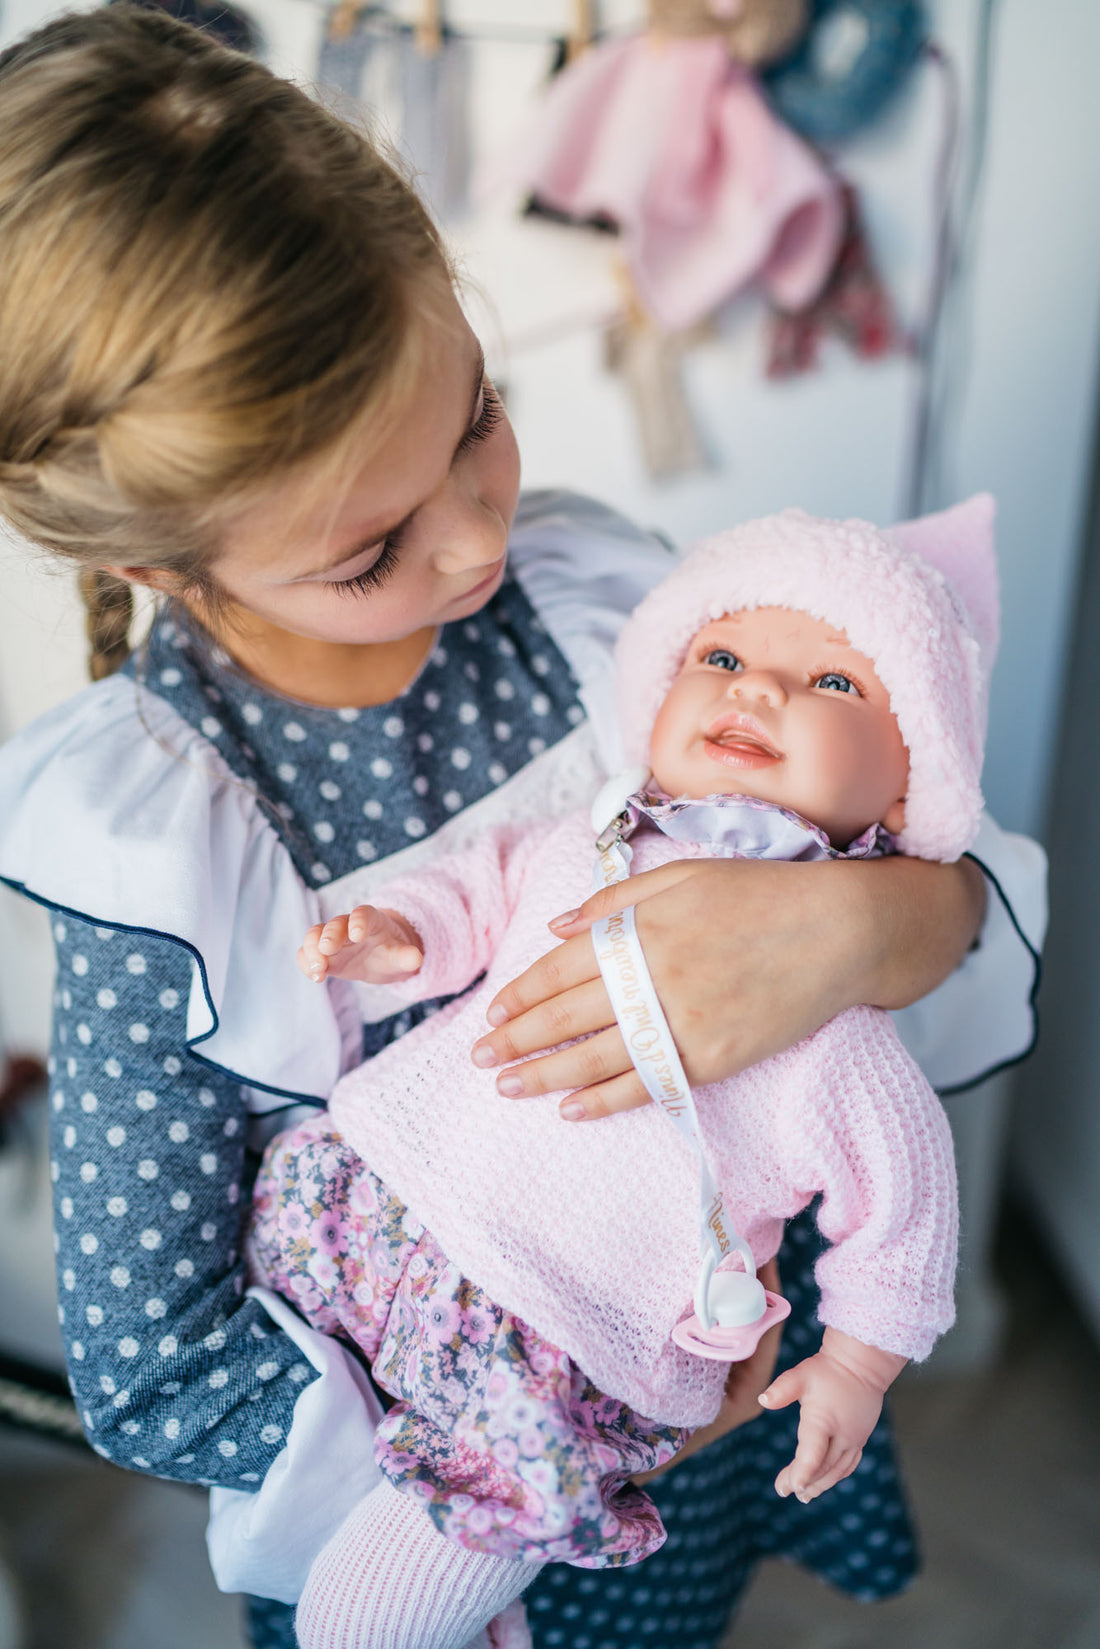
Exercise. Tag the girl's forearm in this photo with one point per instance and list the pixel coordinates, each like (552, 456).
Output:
(911, 922)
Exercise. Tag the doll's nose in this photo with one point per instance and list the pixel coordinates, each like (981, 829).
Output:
(758, 686)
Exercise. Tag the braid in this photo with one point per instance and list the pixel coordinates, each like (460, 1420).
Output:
(109, 605)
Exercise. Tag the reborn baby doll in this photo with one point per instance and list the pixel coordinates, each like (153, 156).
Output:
(799, 689)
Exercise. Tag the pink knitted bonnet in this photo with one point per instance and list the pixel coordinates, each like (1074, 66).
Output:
(919, 599)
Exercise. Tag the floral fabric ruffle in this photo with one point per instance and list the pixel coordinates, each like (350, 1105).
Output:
(508, 1446)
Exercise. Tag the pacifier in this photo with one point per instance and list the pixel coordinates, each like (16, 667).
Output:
(733, 1311)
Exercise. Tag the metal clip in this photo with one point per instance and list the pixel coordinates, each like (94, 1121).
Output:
(613, 833)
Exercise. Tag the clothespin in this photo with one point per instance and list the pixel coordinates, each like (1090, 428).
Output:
(343, 17)
(429, 29)
(579, 37)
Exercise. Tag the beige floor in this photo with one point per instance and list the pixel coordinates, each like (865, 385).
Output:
(1005, 1471)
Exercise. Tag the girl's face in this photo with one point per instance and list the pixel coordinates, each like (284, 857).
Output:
(776, 704)
(417, 537)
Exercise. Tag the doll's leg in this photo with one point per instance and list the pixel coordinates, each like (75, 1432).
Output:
(327, 1234)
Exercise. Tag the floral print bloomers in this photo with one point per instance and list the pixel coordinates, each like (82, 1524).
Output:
(507, 1445)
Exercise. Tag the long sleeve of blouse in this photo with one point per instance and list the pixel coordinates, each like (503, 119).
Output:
(187, 1376)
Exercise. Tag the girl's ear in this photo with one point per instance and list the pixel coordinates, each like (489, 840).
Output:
(894, 818)
(153, 578)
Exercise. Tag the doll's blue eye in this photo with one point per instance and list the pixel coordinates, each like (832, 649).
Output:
(722, 659)
(834, 682)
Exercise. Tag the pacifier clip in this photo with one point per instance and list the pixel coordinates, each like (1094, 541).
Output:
(733, 1309)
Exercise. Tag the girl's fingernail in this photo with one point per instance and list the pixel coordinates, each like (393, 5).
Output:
(510, 1086)
(497, 1015)
(317, 972)
(564, 921)
(764, 1398)
(572, 1111)
(484, 1056)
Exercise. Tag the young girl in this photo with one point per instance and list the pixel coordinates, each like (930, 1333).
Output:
(232, 369)
(520, 1289)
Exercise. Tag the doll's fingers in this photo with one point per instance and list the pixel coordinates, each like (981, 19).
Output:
(811, 1456)
(576, 1011)
(310, 960)
(362, 922)
(784, 1391)
(584, 1065)
(333, 936)
(388, 964)
(834, 1471)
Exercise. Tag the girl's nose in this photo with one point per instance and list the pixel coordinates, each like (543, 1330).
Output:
(758, 686)
(477, 539)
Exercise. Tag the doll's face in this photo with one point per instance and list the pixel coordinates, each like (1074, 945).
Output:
(776, 704)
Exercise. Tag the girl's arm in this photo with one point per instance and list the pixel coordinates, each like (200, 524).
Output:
(175, 1371)
(747, 957)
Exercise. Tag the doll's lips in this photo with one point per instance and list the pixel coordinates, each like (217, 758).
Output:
(739, 741)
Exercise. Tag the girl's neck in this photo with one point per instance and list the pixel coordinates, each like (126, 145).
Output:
(331, 675)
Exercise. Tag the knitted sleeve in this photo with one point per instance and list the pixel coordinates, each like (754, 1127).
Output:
(174, 1370)
(872, 1134)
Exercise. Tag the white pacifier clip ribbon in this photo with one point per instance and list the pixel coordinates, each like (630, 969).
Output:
(732, 1299)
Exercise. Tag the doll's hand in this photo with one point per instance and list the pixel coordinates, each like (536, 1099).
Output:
(376, 947)
(840, 1391)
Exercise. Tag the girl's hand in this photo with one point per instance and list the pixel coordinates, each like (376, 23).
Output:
(376, 947)
(747, 958)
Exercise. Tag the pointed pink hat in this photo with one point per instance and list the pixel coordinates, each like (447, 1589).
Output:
(919, 599)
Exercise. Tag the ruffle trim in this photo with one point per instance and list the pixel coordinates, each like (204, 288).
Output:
(116, 811)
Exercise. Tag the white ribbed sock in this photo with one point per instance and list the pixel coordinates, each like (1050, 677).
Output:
(389, 1580)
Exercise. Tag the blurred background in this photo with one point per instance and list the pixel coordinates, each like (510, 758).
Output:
(954, 348)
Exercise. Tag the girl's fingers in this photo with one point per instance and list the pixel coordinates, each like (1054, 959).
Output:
(634, 891)
(576, 1011)
(596, 1060)
(559, 970)
(621, 1093)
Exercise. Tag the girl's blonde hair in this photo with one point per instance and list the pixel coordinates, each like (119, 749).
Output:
(205, 278)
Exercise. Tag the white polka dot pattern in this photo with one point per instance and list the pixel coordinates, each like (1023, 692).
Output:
(148, 1156)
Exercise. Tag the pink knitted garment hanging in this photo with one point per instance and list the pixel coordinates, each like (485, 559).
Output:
(590, 1233)
(674, 141)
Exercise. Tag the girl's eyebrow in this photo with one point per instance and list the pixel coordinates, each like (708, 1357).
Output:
(378, 535)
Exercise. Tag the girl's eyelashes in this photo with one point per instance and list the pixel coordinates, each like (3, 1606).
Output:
(722, 659)
(834, 682)
(374, 576)
(488, 419)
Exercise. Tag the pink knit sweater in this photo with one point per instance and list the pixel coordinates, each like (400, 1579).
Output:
(590, 1233)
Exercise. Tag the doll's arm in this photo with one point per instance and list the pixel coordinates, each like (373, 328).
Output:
(433, 931)
(840, 1391)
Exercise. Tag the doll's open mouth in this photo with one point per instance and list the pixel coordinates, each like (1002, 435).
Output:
(739, 741)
